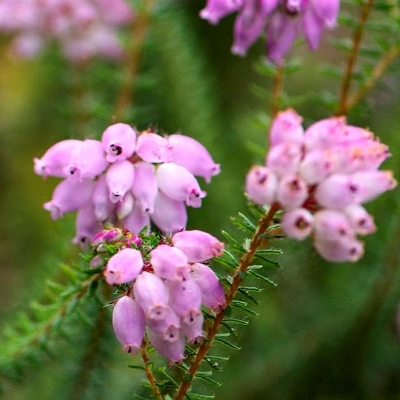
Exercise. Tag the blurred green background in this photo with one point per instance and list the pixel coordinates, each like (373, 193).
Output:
(326, 332)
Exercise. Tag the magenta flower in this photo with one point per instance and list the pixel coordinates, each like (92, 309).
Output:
(123, 267)
(320, 177)
(282, 20)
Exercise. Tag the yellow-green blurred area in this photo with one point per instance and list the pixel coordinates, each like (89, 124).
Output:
(326, 332)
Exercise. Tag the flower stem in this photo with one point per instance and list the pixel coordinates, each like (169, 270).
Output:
(377, 72)
(244, 263)
(149, 372)
(140, 27)
(277, 91)
(351, 62)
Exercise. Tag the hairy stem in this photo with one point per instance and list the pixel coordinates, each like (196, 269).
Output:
(149, 372)
(139, 30)
(352, 60)
(244, 263)
(377, 72)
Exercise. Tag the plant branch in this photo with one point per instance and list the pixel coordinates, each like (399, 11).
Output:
(244, 263)
(149, 372)
(139, 31)
(352, 60)
(377, 72)
(277, 91)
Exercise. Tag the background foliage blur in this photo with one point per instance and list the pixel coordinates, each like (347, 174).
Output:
(325, 332)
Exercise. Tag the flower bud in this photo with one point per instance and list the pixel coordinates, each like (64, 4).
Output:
(198, 245)
(123, 266)
(129, 324)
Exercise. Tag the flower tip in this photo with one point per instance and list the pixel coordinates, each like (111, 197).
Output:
(208, 16)
(238, 51)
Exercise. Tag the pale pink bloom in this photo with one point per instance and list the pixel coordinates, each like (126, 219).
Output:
(69, 195)
(129, 324)
(125, 207)
(173, 351)
(56, 158)
(86, 225)
(284, 158)
(217, 9)
(102, 205)
(340, 251)
(212, 290)
(360, 220)
(198, 245)
(192, 155)
(169, 262)
(135, 221)
(153, 148)
(193, 330)
(169, 215)
(145, 187)
(168, 327)
(87, 161)
(318, 164)
(119, 141)
(119, 178)
(292, 191)
(261, 185)
(185, 298)
(286, 127)
(152, 294)
(179, 184)
(297, 223)
(124, 266)
(332, 225)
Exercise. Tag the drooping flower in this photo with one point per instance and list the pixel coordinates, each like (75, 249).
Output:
(282, 20)
(320, 177)
(128, 178)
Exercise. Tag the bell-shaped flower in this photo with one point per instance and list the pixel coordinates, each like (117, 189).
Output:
(193, 330)
(318, 164)
(261, 185)
(135, 221)
(125, 207)
(173, 351)
(340, 251)
(284, 158)
(123, 266)
(217, 9)
(87, 161)
(185, 298)
(198, 245)
(152, 295)
(297, 223)
(169, 215)
(212, 291)
(332, 225)
(338, 191)
(169, 262)
(169, 326)
(56, 158)
(292, 191)
(145, 187)
(286, 127)
(129, 324)
(102, 205)
(69, 195)
(119, 178)
(360, 220)
(86, 226)
(192, 155)
(179, 184)
(153, 148)
(118, 141)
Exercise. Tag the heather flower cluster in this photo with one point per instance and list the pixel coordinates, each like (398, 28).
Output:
(127, 178)
(321, 177)
(164, 288)
(83, 28)
(281, 20)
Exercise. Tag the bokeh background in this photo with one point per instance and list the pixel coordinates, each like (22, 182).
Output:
(326, 332)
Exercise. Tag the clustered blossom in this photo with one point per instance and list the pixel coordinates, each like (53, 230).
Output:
(83, 28)
(281, 20)
(126, 178)
(164, 289)
(320, 177)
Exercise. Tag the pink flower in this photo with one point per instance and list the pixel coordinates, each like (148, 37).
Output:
(261, 185)
(124, 266)
(119, 178)
(169, 262)
(173, 351)
(198, 245)
(119, 142)
(129, 324)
